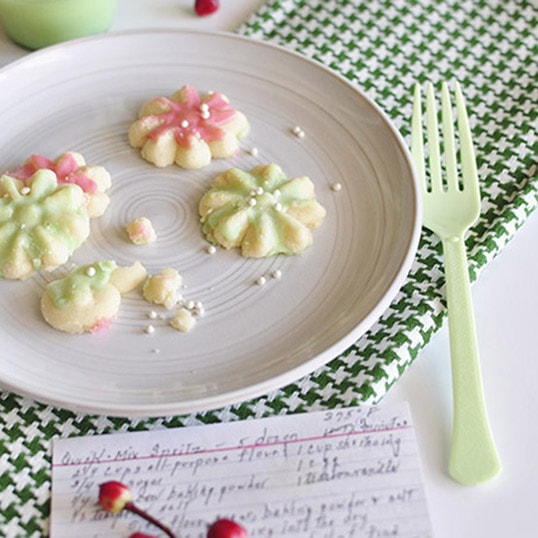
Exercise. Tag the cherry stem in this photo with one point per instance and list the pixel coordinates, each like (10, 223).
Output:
(131, 507)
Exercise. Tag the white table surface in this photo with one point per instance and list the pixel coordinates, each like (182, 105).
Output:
(504, 301)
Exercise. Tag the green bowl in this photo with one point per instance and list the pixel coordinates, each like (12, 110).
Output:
(39, 23)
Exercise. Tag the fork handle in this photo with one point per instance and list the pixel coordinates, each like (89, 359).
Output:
(473, 456)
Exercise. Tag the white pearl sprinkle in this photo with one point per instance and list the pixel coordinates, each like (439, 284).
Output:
(259, 190)
(204, 107)
(90, 271)
(211, 249)
(277, 193)
(276, 274)
(152, 314)
(252, 202)
(184, 124)
(298, 132)
(150, 329)
(25, 190)
(205, 114)
(278, 207)
(336, 187)
(253, 152)
(261, 281)
(189, 305)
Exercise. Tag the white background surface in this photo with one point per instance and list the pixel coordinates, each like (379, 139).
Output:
(504, 301)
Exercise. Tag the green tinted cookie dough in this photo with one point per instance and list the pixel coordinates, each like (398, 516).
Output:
(261, 211)
(41, 224)
(80, 283)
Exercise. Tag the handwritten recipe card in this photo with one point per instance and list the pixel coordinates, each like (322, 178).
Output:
(346, 473)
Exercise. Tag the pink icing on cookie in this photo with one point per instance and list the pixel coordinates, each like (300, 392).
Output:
(101, 324)
(194, 117)
(65, 167)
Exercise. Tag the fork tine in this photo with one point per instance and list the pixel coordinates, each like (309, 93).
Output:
(448, 138)
(433, 140)
(417, 143)
(468, 161)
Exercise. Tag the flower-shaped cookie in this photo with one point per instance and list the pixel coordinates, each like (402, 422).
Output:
(71, 167)
(187, 129)
(41, 223)
(261, 211)
(89, 297)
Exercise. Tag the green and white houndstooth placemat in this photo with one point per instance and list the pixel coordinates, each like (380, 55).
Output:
(384, 47)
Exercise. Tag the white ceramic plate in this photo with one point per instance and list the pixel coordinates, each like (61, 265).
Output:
(83, 96)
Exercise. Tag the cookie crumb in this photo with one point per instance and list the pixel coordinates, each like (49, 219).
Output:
(140, 231)
(183, 320)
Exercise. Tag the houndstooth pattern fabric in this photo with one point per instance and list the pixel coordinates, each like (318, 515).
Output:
(383, 47)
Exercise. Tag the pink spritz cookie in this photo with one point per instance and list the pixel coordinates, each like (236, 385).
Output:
(71, 168)
(188, 129)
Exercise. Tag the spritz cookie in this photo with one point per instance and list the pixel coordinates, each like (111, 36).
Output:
(89, 297)
(188, 129)
(262, 212)
(41, 223)
(71, 168)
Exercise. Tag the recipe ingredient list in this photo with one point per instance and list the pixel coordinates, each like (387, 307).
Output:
(351, 472)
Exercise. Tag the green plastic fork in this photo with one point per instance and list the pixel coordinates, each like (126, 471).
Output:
(450, 208)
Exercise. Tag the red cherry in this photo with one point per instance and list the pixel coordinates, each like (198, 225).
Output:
(206, 7)
(114, 496)
(226, 528)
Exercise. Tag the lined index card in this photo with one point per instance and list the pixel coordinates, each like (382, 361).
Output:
(352, 472)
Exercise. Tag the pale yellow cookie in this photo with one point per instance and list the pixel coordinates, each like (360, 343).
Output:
(71, 168)
(262, 212)
(188, 129)
(89, 297)
(83, 301)
(41, 223)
